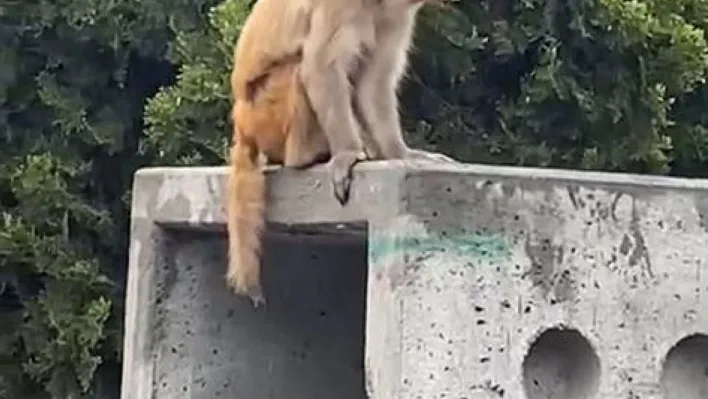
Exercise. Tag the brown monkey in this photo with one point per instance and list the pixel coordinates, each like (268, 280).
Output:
(312, 80)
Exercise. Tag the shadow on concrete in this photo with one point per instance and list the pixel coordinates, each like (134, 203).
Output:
(308, 342)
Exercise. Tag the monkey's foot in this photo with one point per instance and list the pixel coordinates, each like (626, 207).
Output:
(254, 293)
(258, 300)
(341, 165)
(256, 297)
(422, 155)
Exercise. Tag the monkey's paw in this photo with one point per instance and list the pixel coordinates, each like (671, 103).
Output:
(258, 300)
(255, 294)
(341, 165)
(421, 155)
(252, 291)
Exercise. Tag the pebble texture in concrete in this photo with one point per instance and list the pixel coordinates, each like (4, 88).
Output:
(187, 336)
(483, 282)
(526, 283)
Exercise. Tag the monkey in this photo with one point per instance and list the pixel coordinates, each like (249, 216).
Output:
(312, 81)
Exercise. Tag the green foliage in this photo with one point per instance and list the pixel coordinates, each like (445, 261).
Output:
(49, 104)
(58, 335)
(595, 84)
(592, 84)
(74, 75)
(188, 123)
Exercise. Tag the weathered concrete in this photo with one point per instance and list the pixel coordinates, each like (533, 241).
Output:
(483, 282)
(188, 337)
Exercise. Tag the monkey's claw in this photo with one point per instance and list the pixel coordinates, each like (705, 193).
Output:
(341, 165)
(258, 300)
(253, 294)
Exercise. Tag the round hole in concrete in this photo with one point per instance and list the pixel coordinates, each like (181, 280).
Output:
(561, 364)
(684, 373)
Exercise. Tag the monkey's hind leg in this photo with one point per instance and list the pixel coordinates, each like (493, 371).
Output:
(309, 145)
(306, 143)
(301, 153)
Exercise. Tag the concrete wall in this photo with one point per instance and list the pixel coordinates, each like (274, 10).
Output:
(482, 282)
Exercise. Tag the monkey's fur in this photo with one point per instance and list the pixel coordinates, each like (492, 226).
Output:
(312, 80)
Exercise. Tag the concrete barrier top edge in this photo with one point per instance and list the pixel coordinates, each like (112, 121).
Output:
(472, 170)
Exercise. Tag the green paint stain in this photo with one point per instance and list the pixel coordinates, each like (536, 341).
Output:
(490, 247)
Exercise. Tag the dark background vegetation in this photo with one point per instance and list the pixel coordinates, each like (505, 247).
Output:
(90, 90)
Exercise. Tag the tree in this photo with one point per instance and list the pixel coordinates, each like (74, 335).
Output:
(74, 76)
(187, 123)
(591, 84)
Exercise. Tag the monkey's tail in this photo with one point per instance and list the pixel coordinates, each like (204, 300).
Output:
(246, 200)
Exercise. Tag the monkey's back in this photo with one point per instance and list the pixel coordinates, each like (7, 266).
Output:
(266, 121)
(273, 34)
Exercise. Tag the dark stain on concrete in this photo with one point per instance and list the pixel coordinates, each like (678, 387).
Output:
(542, 263)
(626, 245)
(509, 189)
(573, 191)
(701, 206)
(396, 273)
(563, 287)
(368, 380)
(491, 388)
(603, 211)
(546, 274)
(640, 252)
(613, 207)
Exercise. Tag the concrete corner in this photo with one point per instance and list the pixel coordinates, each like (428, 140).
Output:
(188, 336)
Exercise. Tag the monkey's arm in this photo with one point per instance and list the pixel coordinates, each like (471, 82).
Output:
(378, 103)
(330, 51)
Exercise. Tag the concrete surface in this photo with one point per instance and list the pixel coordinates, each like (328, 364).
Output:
(482, 282)
(308, 345)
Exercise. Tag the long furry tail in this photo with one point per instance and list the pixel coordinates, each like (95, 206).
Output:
(246, 191)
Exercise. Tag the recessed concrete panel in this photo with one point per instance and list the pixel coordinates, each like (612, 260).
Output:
(482, 282)
(308, 343)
